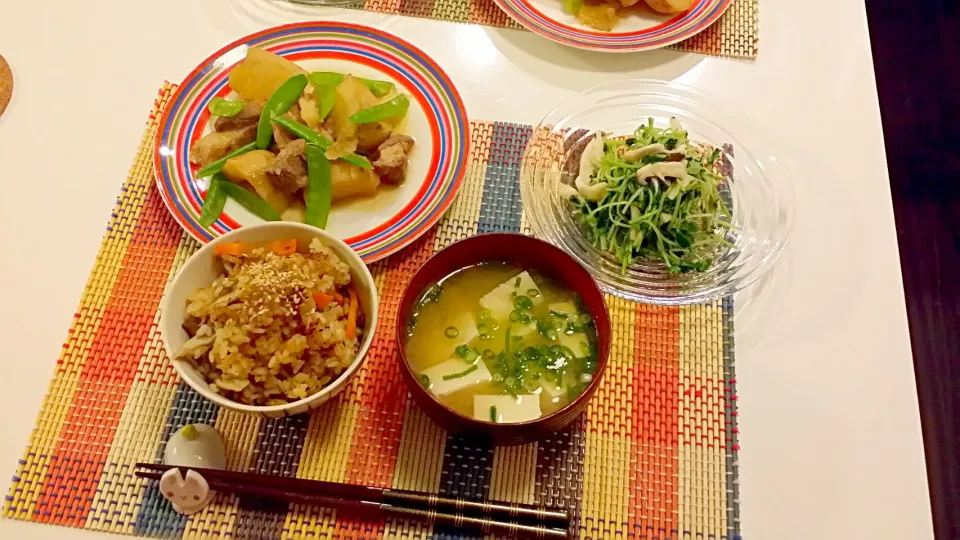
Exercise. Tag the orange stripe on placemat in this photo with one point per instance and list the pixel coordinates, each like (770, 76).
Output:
(104, 384)
(156, 226)
(381, 394)
(656, 403)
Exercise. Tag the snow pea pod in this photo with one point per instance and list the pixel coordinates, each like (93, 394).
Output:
(250, 201)
(388, 109)
(326, 96)
(217, 166)
(214, 201)
(278, 104)
(319, 140)
(319, 192)
(222, 107)
(329, 78)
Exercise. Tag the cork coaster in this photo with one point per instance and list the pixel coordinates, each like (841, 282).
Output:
(6, 84)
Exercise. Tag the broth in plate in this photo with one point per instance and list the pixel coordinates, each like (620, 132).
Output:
(499, 344)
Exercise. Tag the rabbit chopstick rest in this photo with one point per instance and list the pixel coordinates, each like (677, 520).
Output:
(194, 445)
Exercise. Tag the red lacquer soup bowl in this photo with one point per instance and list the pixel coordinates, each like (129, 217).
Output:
(527, 253)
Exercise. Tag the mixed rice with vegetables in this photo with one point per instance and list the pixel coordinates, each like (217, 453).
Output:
(277, 326)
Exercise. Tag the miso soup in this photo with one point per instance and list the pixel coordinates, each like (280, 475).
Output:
(500, 344)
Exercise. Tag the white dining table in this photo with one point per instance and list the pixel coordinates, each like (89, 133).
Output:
(830, 437)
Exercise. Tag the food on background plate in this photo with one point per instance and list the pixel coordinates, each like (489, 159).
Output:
(500, 344)
(290, 132)
(279, 324)
(654, 195)
(605, 14)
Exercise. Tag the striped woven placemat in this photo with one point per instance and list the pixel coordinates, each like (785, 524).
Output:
(654, 456)
(735, 35)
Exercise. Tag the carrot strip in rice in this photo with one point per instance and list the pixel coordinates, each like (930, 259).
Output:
(283, 247)
(352, 315)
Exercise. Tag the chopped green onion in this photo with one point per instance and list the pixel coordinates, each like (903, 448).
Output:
(431, 295)
(460, 374)
(493, 414)
(462, 351)
(451, 332)
(523, 302)
(514, 316)
(489, 354)
(533, 293)
(558, 315)
(424, 380)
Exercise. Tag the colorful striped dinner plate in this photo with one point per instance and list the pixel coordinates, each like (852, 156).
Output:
(375, 227)
(640, 27)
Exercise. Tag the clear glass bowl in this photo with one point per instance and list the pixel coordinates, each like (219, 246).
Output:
(758, 190)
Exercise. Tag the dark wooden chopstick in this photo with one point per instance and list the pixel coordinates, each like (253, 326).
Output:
(495, 517)
(399, 497)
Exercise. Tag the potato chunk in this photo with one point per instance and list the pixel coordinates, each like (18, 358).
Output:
(252, 169)
(259, 75)
(352, 181)
(351, 96)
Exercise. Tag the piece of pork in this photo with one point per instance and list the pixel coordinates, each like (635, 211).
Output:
(288, 174)
(214, 146)
(248, 116)
(282, 137)
(391, 159)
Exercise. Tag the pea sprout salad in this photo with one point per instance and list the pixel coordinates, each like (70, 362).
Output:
(654, 195)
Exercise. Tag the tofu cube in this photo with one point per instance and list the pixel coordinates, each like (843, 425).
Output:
(449, 369)
(500, 300)
(509, 409)
(552, 389)
(466, 328)
(523, 330)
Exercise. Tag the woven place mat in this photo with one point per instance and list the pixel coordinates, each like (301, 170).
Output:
(735, 35)
(654, 456)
